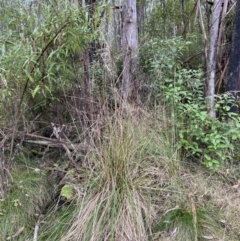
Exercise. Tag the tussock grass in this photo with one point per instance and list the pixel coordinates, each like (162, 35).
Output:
(183, 223)
(125, 177)
(137, 189)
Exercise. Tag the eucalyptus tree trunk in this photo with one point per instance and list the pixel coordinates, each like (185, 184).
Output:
(202, 27)
(233, 73)
(212, 57)
(129, 47)
(183, 10)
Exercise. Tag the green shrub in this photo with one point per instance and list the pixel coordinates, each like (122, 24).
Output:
(210, 140)
(181, 91)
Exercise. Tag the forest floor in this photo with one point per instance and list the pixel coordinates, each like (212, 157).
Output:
(131, 186)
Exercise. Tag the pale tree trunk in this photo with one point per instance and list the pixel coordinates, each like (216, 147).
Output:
(129, 47)
(183, 10)
(233, 73)
(212, 57)
(201, 24)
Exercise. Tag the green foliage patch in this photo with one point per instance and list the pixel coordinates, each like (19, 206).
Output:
(29, 191)
(202, 139)
(40, 50)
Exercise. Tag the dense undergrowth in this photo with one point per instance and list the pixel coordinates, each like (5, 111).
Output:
(74, 168)
(130, 186)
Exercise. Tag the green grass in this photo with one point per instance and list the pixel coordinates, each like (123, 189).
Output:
(56, 222)
(20, 210)
(185, 224)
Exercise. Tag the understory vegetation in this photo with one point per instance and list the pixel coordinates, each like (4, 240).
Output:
(132, 185)
(79, 162)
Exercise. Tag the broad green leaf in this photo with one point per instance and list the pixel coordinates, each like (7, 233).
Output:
(67, 191)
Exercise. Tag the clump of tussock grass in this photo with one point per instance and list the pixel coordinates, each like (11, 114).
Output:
(124, 183)
(135, 180)
(188, 223)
